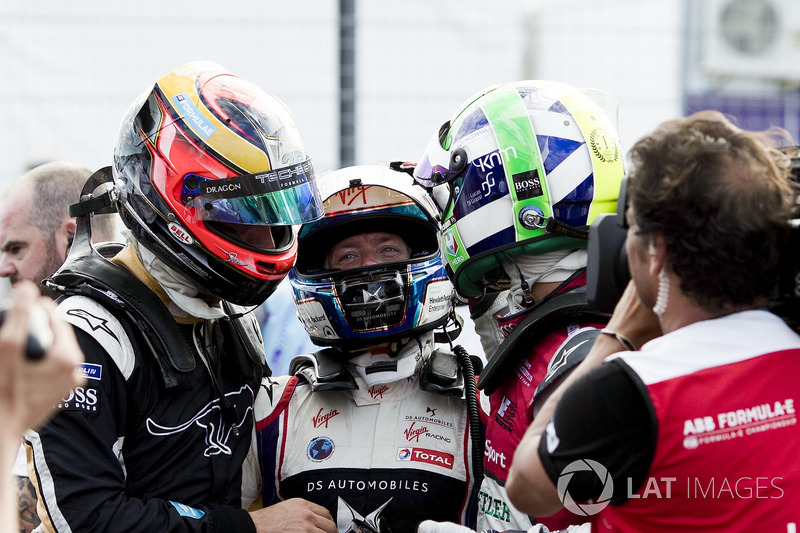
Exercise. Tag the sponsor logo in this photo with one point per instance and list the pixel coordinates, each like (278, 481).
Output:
(422, 455)
(91, 371)
(489, 161)
(552, 439)
(319, 449)
(225, 187)
(348, 516)
(430, 411)
(506, 414)
(561, 358)
(739, 423)
(179, 233)
(370, 485)
(495, 507)
(493, 456)
(413, 433)
(185, 510)
(287, 177)
(354, 195)
(527, 184)
(429, 420)
(487, 184)
(95, 322)
(193, 117)
(80, 398)
(450, 243)
(209, 418)
(377, 391)
(268, 384)
(320, 419)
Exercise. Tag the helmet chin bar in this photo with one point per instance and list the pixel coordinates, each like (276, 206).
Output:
(374, 300)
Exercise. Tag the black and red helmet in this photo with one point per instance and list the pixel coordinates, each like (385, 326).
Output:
(212, 176)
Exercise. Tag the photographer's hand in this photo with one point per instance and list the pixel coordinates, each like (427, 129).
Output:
(632, 320)
(30, 389)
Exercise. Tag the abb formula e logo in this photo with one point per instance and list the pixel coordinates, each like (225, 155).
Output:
(422, 455)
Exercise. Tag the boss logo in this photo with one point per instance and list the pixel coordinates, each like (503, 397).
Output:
(527, 184)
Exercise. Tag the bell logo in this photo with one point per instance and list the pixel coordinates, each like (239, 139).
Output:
(179, 233)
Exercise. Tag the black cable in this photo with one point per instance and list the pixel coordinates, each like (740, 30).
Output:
(526, 290)
(471, 392)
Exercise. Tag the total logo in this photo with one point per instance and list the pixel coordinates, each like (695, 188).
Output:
(423, 455)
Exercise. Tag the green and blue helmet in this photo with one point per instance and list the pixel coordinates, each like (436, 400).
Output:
(521, 168)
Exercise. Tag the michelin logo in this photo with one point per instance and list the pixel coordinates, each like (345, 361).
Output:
(91, 371)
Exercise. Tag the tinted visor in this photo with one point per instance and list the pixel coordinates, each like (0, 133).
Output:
(280, 197)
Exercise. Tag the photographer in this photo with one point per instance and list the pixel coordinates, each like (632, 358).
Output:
(689, 428)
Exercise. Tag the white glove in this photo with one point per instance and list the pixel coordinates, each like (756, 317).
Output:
(429, 526)
(583, 528)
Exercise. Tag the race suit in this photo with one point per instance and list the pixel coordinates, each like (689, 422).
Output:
(536, 361)
(385, 451)
(128, 451)
(696, 431)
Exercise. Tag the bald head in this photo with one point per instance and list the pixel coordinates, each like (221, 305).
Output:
(35, 226)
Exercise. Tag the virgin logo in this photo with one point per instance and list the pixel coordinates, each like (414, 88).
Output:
(413, 434)
(376, 391)
(323, 419)
(354, 195)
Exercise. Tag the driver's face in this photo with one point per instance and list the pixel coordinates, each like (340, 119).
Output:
(367, 249)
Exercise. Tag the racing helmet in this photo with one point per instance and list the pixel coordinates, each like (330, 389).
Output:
(212, 174)
(359, 307)
(521, 168)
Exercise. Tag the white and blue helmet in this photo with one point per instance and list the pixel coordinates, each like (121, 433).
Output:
(359, 307)
(521, 168)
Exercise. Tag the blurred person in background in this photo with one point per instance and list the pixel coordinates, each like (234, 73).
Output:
(36, 233)
(30, 388)
(696, 430)
(376, 427)
(520, 172)
(36, 230)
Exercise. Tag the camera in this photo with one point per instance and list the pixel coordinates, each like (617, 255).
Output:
(607, 271)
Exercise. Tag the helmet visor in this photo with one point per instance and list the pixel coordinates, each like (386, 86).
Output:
(280, 197)
(433, 168)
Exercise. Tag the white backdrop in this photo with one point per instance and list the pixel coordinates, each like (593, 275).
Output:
(70, 69)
